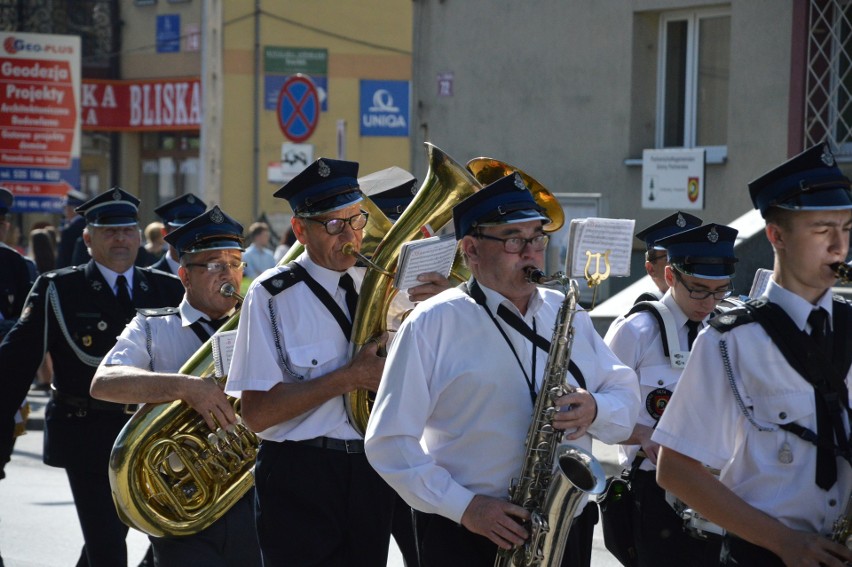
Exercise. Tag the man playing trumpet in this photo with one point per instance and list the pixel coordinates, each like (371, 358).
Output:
(143, 367)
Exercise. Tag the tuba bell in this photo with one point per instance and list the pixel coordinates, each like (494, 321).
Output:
(446, 184)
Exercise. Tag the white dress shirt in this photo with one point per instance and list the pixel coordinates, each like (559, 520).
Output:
(175, 343)
(453, 408)
(638, 342)
(290, 337)
(703, 421)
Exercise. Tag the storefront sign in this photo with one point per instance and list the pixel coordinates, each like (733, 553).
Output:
(39, 126)
(149, 105)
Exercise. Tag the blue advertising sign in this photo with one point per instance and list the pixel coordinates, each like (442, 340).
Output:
(298, 108)
(168, 33)
(385, 108)
(272, 88)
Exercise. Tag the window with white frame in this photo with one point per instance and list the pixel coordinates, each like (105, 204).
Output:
(692, 83)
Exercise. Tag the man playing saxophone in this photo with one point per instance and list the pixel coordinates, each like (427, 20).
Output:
(455, 402)
(764, 396)
(143, 367)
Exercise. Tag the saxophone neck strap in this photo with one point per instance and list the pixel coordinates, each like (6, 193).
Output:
(520, 326)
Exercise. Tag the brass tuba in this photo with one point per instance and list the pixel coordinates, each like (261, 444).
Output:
(446, 184)
(171, 475)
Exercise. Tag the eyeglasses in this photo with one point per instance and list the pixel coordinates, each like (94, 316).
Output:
(114, 232)
(516, 244)
(219, 267)
(336, 226)
(718, 295)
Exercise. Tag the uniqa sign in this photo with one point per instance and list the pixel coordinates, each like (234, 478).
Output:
(385, 108)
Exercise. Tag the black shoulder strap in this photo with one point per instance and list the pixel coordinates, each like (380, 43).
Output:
(825, 374)
(650, 307)
(200, 332)
(325, 298)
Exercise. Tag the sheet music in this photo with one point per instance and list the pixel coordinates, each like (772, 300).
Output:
(223, 350)
(599, 236)
(434, 254)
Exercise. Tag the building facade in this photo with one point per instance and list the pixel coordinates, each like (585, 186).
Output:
(575, 92)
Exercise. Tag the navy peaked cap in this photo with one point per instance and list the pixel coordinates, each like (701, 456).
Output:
(704, 251)
(6, 200)
(213, 230)
(324, 186)
(507, 200)
(181, 210)
(115, 207)
(391, 189)
(806, 182)
(75, 198)
(663, 228)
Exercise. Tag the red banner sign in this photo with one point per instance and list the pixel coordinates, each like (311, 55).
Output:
(143, 105)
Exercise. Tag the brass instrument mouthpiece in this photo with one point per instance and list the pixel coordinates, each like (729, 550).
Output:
(534, 275)
(228, 290)
(349, 249)
(843, 271)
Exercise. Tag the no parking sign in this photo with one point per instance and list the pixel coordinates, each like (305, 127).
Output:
(298, 108)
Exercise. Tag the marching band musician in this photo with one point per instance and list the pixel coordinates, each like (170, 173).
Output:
(655, 340)
(763, 401)
(655, 254)
(318, 501)
(143, 367)
(176, 213)
(75, 314)
(461, 379)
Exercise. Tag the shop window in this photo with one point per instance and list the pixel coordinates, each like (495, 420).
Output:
(692, 83)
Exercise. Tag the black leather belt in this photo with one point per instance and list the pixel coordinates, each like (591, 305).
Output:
(92, 404)
(347, 445)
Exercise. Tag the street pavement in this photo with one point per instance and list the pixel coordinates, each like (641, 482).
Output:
(38, 522)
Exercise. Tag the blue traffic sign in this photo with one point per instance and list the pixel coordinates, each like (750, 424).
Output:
(298, 108)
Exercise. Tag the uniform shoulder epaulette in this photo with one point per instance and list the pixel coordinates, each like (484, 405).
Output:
(63, 271)
(731, 318)
(156, 273)
(840, 300)
(158, 312)
(284, 279)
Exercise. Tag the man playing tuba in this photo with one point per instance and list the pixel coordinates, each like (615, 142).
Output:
(453, 408)
(143, 367)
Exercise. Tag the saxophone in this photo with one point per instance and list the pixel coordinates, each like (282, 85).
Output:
(552, 495)
(842, 529)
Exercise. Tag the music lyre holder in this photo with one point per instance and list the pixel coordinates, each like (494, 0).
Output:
(594, 279)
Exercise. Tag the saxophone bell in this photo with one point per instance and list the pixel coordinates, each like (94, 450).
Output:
(228, 290)
(843, 271)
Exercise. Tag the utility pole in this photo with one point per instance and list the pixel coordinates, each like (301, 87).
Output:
(210, 180)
